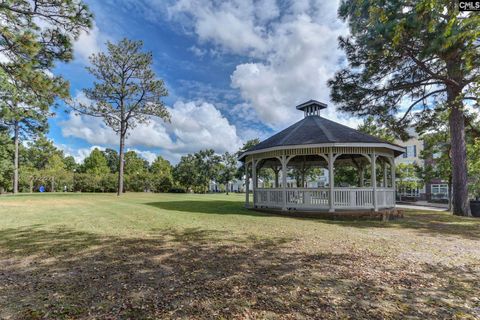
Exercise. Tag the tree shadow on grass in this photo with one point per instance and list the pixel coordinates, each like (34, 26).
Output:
(431, 223)
(209, 207)
(202, 274)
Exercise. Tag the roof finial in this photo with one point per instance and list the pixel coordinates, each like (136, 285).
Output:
(311, 107)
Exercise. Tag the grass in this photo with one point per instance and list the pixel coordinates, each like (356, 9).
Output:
(149, 256)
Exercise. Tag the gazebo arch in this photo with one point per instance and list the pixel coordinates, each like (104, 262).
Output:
(318, 142)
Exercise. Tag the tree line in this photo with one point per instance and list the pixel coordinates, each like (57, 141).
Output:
(41, 163)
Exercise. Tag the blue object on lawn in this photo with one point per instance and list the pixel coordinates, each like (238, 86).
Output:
(41, 189)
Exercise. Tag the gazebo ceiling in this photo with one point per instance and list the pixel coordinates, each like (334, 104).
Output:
(317, 161)
(315, 130)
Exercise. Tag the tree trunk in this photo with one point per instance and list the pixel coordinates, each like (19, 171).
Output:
(15, 159)
(459, 158)
(121, 164)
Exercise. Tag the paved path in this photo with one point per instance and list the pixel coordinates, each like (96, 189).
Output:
(429, 208)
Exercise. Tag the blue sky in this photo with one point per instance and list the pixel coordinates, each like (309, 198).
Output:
(235, 70)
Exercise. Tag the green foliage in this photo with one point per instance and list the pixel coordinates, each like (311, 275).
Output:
(70, 163)
(473, 152)
(227, 169)
(185, 172)
(161, 175)
(346, 176)
(373, 128)
(6, 165)
(195, 171)
(139, 181)
(112, 159)
(55, 175)
(95, 163)
(134, 164)
(39, 151)
(407, 176)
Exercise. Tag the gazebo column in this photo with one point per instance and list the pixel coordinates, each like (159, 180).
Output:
(374, 180)
(283, 160)
(247, 186)
(331, 181)
(394, 182)
(385, 174)
(254, 185)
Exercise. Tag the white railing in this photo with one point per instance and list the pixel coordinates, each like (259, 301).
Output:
(319, 198)
(308, 198)
(385, 197)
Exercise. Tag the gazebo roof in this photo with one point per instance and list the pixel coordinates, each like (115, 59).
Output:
(315, 130)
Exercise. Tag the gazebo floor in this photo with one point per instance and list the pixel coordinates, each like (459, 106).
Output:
(368, 214)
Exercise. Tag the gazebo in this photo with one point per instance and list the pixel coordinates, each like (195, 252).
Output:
(317, 165)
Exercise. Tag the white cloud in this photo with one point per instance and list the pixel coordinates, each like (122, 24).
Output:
(228, 24)
(294, 51)
(88, 43)
(147, 155)
(194, 126)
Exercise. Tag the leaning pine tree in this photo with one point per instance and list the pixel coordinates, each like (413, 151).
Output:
(126, 93)
(408, 56)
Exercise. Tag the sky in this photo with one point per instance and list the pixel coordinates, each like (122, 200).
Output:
(234, 69)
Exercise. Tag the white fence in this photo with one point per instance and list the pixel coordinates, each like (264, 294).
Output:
(319, 198)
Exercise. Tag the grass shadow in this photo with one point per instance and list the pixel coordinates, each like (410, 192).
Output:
(207, 206)
(431, 223)
(193, 273)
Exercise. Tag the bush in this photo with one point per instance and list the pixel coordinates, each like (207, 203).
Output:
(162, 183)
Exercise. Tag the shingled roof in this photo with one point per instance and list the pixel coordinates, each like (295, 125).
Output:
(315, 130)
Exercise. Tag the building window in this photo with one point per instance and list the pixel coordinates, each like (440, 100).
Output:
(410, 151)
(439, 191)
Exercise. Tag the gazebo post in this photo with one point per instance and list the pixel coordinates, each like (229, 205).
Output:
(254, 185)
(374, 180)
(394, 184)
(331, 181)
(385, 174)
(247, 186)
(284, 182)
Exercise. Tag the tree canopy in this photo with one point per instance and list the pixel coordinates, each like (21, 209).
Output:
(410, 56)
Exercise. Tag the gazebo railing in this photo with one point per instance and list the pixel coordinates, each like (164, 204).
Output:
(319, 198)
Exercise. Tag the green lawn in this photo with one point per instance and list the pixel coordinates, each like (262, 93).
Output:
(143, 256)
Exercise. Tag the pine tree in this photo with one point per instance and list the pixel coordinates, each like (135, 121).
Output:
(126, 93)
(407, 56)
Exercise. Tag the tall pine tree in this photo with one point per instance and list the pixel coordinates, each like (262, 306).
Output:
(407, 56)
(126, 93)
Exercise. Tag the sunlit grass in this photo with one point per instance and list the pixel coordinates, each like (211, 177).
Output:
(206, 256)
